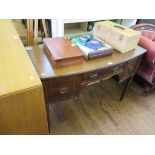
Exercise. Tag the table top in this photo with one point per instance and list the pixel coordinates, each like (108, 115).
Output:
(47, 71)
(16, 69)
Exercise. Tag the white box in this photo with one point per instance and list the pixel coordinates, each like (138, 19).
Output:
(119, 37)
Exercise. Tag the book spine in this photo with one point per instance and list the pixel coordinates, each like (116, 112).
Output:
(68, 62)
(99, 54)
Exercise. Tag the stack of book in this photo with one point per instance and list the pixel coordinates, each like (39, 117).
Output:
(92, 47)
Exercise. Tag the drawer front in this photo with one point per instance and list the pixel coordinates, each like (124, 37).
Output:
(95, 75)
(62, 89)
(131, 68)
(105, 73)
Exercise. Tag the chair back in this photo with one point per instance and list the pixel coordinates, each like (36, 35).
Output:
(32, 31)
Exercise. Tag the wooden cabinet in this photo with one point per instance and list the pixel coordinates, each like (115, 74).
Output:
(22, 106)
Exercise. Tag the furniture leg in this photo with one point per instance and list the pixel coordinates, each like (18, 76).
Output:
(128, 83)
(29, 32)
(36, 31)
(45, 28)
(48, 117)
(148, 87)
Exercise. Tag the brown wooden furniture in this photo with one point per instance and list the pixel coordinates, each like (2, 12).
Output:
(22, 106)
(64, 83)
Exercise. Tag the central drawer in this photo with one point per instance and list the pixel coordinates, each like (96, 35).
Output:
(96, 75)
(61, 89)
(105, 73)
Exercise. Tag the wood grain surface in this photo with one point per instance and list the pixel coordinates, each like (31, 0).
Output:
(23, 113)
(46, 70)
(22, 106)
(16, 69)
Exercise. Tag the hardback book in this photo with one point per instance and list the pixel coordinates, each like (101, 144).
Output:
(93, 54)
(92, 47)
(61, 52)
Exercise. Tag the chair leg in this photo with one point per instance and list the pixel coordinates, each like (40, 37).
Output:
(148, 87)
(128, 83)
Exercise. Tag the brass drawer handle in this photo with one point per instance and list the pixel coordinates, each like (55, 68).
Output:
(63, 90)
(93, 76)
(92, 83)
(117, 70)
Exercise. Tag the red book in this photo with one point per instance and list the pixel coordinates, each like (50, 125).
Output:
(61, 52)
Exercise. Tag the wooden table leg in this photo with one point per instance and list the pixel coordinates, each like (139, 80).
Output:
(48, 116)
(128, 83)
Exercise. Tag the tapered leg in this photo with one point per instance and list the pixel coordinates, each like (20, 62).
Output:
(148, 87)
(48, 117)
(127, 85)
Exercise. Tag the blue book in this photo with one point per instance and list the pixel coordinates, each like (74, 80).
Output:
(84, 39)
(94, 44)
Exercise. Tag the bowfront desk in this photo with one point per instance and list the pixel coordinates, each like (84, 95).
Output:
(64, 83)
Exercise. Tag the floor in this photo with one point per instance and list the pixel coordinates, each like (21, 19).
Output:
(99, 111)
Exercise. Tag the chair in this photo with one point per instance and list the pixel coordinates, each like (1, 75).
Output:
(32, 30)
(147, 67)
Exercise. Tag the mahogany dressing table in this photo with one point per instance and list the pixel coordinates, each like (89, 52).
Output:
(64, 83)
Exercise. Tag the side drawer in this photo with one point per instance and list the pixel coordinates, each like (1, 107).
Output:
(130, 68)
(61, 89)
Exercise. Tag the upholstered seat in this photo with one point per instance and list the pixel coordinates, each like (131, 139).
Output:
(147, 67)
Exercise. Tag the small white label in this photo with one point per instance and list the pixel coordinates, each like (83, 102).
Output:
(31, 77)
(15, 37)
(110, 63)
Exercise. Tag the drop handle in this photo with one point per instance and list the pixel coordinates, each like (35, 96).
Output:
(116, 70)
(93, 76)
(63, 90)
